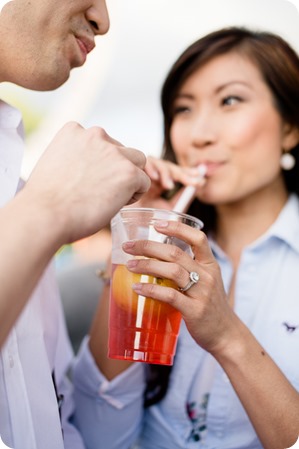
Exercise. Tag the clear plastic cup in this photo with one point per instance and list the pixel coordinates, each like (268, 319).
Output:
(142, 329)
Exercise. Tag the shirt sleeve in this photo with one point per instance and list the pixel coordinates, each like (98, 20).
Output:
(108, 413)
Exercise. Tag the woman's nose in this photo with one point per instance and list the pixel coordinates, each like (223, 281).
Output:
(203, 132)
(98, 17)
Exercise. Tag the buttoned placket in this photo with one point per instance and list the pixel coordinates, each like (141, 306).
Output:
(20, 414)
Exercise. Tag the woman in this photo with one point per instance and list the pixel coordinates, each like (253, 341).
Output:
(230, 103)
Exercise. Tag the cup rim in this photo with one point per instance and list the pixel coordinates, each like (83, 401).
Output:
(172, 212)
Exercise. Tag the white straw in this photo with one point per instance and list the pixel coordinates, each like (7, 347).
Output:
(189, 191)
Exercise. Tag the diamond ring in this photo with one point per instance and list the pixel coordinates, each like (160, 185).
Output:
(193, 279)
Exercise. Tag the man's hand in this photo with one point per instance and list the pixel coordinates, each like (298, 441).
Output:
(84, 178)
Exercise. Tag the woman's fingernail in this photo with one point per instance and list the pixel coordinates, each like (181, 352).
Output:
(169, 184)
(155, 175)
(161, 224)
(128, 245)
(132, 263)
(137, 288)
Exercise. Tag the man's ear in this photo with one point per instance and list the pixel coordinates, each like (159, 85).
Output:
(290, 137)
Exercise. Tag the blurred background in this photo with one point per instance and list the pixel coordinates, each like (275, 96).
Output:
(119, 86)
(119, 89)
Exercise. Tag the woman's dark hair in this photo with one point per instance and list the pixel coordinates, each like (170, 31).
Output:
(279, 66)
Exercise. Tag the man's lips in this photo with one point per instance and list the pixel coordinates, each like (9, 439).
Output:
(86, 45)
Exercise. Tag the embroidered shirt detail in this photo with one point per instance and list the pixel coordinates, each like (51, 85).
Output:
(290, 328)
(197, 413)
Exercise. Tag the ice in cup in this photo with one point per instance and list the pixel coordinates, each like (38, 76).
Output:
(142, 329)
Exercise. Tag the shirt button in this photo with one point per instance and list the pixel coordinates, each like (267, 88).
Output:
(11, 361)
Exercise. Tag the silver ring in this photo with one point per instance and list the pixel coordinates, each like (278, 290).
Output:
(194, 278)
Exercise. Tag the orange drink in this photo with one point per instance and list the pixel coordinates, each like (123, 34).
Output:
(140, 328)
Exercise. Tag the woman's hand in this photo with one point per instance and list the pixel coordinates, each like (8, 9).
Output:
(164, 175)
(215, 327)
(204, 306)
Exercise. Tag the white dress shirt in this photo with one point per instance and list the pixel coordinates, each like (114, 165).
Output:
(37, 349)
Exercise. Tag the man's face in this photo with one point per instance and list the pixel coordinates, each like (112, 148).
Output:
(42, 40)
(3, 3)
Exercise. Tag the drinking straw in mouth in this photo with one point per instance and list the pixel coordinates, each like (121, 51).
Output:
(189, 191)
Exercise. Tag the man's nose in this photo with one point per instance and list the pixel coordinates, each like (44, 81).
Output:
(98, 17)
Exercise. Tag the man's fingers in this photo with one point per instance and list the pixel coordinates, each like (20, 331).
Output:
(135, 156)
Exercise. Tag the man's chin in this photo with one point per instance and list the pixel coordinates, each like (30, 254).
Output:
(44, 82)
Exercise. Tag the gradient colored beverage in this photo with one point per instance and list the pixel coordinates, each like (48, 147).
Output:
(140, 329)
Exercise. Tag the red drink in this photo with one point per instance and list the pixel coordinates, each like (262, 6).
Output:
(140, 329)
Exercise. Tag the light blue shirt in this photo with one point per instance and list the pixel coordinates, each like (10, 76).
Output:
(266, 299)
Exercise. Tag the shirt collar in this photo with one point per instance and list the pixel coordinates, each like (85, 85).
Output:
(10, 117)
(285, 228)
(11, 151)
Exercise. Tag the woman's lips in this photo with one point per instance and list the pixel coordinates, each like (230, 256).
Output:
(212, 167)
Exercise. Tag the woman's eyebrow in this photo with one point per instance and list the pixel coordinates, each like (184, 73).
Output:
(184, 96)
(229, 83)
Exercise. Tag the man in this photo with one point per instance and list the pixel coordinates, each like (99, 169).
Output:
(83, 178)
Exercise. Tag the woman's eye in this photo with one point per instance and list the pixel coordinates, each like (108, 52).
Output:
(230, 100)
(180, 109)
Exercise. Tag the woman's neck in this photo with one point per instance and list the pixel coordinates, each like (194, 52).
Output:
(241, 223)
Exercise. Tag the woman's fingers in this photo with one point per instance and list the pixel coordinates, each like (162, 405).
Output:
(151, 169)
(203, 303)
(157, 250)
(203, 306)
(167, 173)
(162, 270)
(166, 294)
(195, 238)
(160, 171)
(170, 261)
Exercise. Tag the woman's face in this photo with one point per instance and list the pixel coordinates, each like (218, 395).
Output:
(225, 117)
